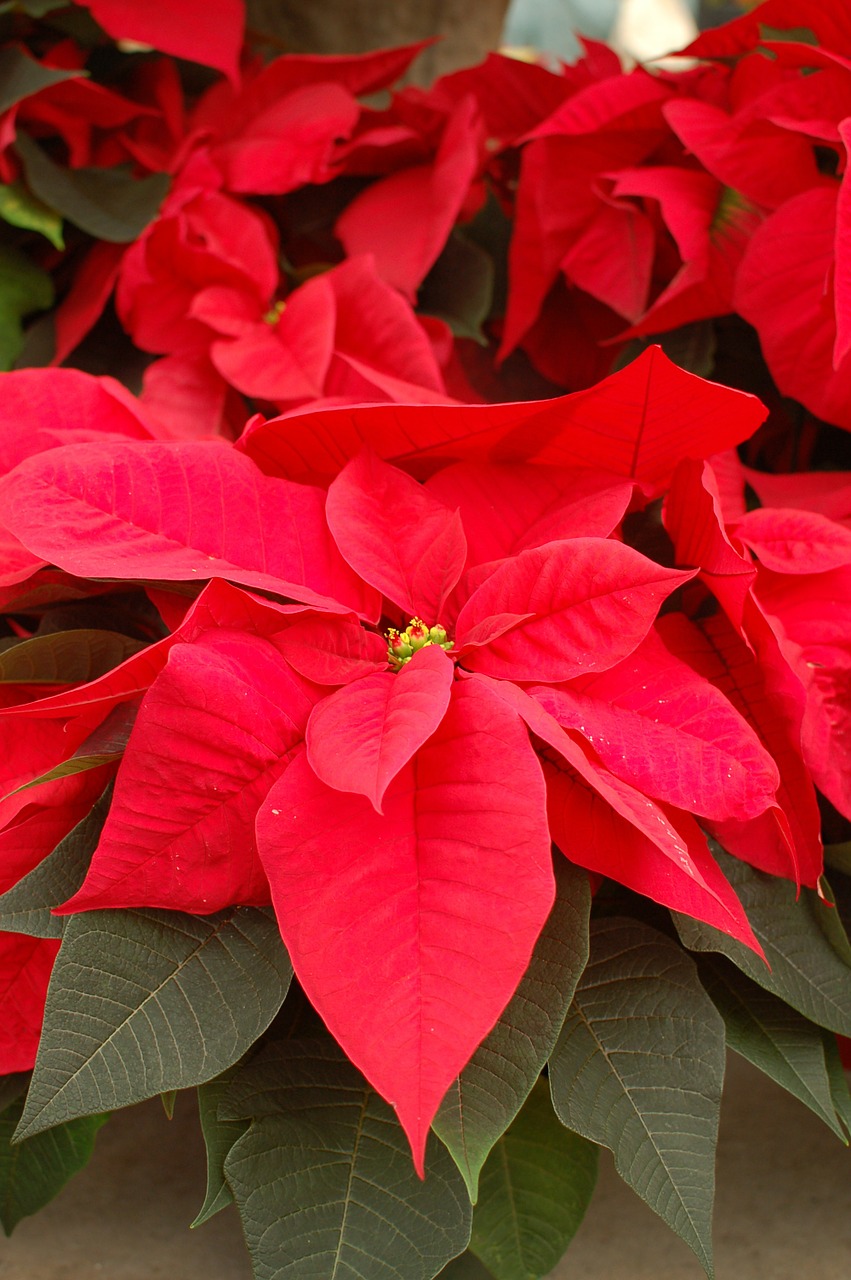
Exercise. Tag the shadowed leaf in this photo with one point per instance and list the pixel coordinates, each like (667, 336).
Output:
(493, 1086)
(639, 1067)
(535, 1188)
(323, 1179)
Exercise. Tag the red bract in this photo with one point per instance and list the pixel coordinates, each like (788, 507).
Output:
(25, 966)
(185, 28)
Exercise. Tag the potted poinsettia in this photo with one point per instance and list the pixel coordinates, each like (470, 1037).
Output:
(424, 700)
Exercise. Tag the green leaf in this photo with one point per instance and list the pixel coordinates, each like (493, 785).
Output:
(639, 1068)
(784, 1045)
(33, 1172)
(219, 1136)
(24, 288)
(535, 1188)
(839, 1084)
(487, 1096)
(459, 288)
(799, 35)
(108, 203)
(805, 970)
(21, 76)
(20, 208)
(168, 1099)
(33, 8)
(66, 657)
(145, 1001)
(324, 1181)
(26, 907)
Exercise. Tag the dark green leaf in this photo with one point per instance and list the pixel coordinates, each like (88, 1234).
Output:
(33, 1172)
(805, 970)
(324, 1181)
(466, 1267)
(66, 657)
(168, 1099)
(108, 203)
(145, 1001)
(839, 1090)
(26, 907)
(535, 1187)
(219, 1136)
(780, 1042)
(838, 856)
(639, 1068)
(21, 76)
(12, 1087)
(495, 1083)
(24, 288)
(459, 287)
(20, 208)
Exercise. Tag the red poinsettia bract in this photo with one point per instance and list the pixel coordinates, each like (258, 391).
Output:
(468, 669)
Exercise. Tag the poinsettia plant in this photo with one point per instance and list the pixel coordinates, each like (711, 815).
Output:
(425, 696)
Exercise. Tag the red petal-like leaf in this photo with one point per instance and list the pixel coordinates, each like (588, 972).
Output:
(693, 517)
(396, 535)
(25, 967)
(815, 613)
(673, 859)
(667, 731)
(405, 219)
(594, 836)
(185, 28)
(785, 290)
(332, 650)
(638, 423)
(215, 730)
(591, 602)
(179, 512)
(409, 932)
(765, 689)
(795, 541)
(506, 509)
(360, 737)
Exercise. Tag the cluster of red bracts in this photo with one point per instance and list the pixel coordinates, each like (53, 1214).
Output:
(640, 202)
(400, 815)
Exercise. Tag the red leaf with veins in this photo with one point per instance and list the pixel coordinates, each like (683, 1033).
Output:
(179, 512)
(25, 968)
(762, 685)
(360, 737)
(216, 729)
(672, 864)
(396, 535)
(666, 730)
(506, 509)
(630, 424)
(409, 932)
(590, 833)
(588, 603)
(798, 542)
(331, 650)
